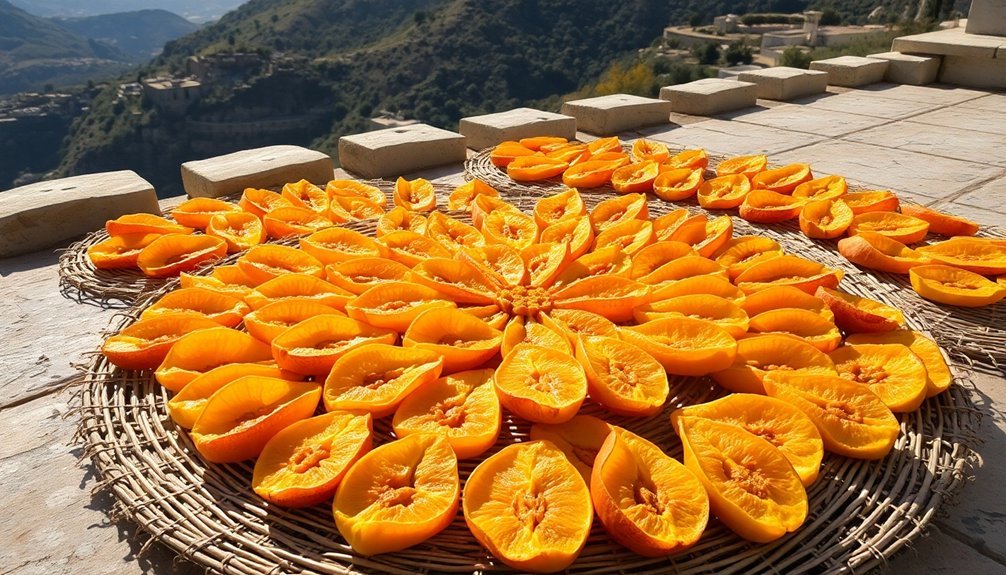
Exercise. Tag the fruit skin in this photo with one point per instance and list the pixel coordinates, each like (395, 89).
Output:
(941, 223)
(855, 314)
(875, 251)
(931, 281)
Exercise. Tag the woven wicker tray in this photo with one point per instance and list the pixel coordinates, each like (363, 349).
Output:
(861, 512)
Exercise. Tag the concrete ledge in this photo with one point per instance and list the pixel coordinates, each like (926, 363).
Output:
(909, 69)
(710, 96)
(491, 129)
(784, 83)
(974, 73)
(396, 151)
(256, 168)
(41, 215)
(851, 71)
(607, 115)
(950, 42)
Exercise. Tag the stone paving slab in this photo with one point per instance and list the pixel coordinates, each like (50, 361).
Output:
(989, 195)
(985, 216)
(948, 142)
(732, 138)
(989, 120)
(933, 94)
(795, 118)
(994, 102)
(870, 104)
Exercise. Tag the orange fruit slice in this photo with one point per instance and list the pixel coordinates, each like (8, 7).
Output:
(400, 219)
(782, 180)
(891, 371)
(543, 263)
(377, 377)
(200, 351)
(537, 142)
(144, 224)
(684, 345)
(769, 207)
(825, 219)
(899, 227)
(739, 254)
(629, 236)
(506, 152)
(499, 262)
(540, 384)
(681, 268)
(119, 252)
(643, 149)
(855, 314)
(464, 340)
(762, 354)
(360, 274)
(954, 286)
(971, 254)
(463, 407)
(415, 195)
(463, 196)
(291, 221)
(635, 178)
(621, 377)
(940, 222)
(720, 311)
(617, 210)
(510, 227)
(352, 209)
(171, 254)
(608, 260)
(871, 201)
(646, 500)
(334, 245)
(398, 495)
(677, 184)
(602, 145)
(196, 212)
(144, 344)
(566, 204)
(826, 188)
(724, 192)
(708, 284)
(458, 280)
(696, 159)
(801, 323)
(590, 173)
(574, 231)
(409, 248)
(272, 319)
(752, 487)
(453, 234)
(312, 346)
(535, 168)
(187, 405)
(298, 286)
(788, 271)
(938, 375)
(241, 417)
(529, 506)
(304, 194)
(654, 256)
(394, 304)
(524, 330)
(611, 296)
(260, 202)
(573, 322)
(875, 251)
(355, 189)
(240, 230)
(748, 166)
(263, 263)
(580, 439)
(223, 309)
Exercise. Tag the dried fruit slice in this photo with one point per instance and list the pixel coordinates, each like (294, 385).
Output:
(677, 184)
(684, 345)
(377, 377)
(360, 274)
(774, 420)
(242, 416)
(621, 377)
(568, 152)
(500, 262)
(303, 464)
(740, 253)
(336, 245)
(602, 261)
(221, 308)
(746, 165)
(400, 219)
(643, 149)
(855, 314)
(521, 330)
(629, 236)
(535, 168)
(241, 230)
(272, 319)
(782, 180)
(482, 206)
(574, 231)
(292, 221)
(785, 296)
(349, 209)
(646, 500)
(196, 213)
(415, 195)
(852, 420)
(654, 256)
(171, 254)
(681, 268)
(690, 229)
(260, 202)
(119, 252)
(356, 189)
(971, 254)
(825, 219)
(905, 229)
(752, 487)
(826, 188)
(540, 384)
(938, 376)
(558, 207)
(768, 207)
(298, 286)
(457, 280)
(590, 173)
(616, 210)
(464, 340)
(871, 201)
(718, 232)
(398, 495)
(580, 439)
(940, 222)
(144, 344)
(491, 315)
(801, 323)
(463, 196)
(453, 234)
(666, 224)
(510, 227)
(144, 224)
(720, 311)
(536, 143)
(954, 286)
(759, 355)
(410, 248)
(506, 152)
(573, 322)
(696, 159)
(708, 284)
(724, 192)
(394, 304)
(875, 251)
(463, 407)
(611, 296)
(202, 350)
(263, 263)
(304, 194)
(789, 271)
(312, 346)
(187, 405)
(891, 371)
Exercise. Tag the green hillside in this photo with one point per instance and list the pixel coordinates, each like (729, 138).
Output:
(138, 35)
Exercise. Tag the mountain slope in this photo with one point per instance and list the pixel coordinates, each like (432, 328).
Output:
(138, 35)
(194, 10)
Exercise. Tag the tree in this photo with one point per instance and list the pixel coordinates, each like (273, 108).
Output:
(708, 54)
(829, 17)
(738, 52)
(795, 57)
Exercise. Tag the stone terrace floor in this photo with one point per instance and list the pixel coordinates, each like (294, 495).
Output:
(939, 145)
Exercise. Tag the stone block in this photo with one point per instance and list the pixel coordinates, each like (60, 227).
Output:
(397, 151)
(909, 69)
(949, 42)
(851, 71)
(491, 129)
(255, 168)
(988, 73)
(607, 115)
(735, 71)
(987, 17)
(710, 96)
(44, 214)
(784, 83)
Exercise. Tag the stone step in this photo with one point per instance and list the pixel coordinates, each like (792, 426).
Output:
(909, 69)
(972, 60)
(851, 71)
(255, 168)
(710, 96)
(491, 129)
(44, 214)
(607, 115)
(785, 83)
(396, 151)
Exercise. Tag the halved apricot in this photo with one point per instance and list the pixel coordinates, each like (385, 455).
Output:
(263, 263)
(621, 377)
(260, 202)
(376, 378)
(453, 234)
(720, 311)
(590, 173)
(415, 195)
(940, 222)
(241, 230)
(753, 489)
(223, 309)
(579, 439)
(535, 168)
(774, 420)
(635, 178)
(677, 184)
(459, 280)
(540, 384)
(574, 322)
(196, 212)
(629, 236)
(855, 314)
(360, 274)
(462, 196)
(681, 268)
(782, 180)
(400, 219)
(187, 405)
(875, 251)
(171, 254)
(144, 224)
(748, 166)
(971, 254)
(303, 464)
(801, 323)
(684, 345)
(520, 330)
(335, 245)
(399, 494)
(463, 407)
(144, 344)
(576, 232)
(511, 227)
(825, 219)
(954, 286)
(529, 506)
(643, 149)
(724, 192)
(905, 229)
(228, 280)
(298, 286)
(871, 201)
(557, 207)
(464, 340)
(777, 297)
(394, 304)
(791, 271)
(242, 416)
(709, 284)
(312, 346)
(762, 354)
(616, 210)
(656, 255)
(768, 207)
(826, 188)
(202, 350)
(291, 221)
(613, 297)
(355, 189)
(506, 152)
(410, 248)
(646, 500)
(853, 421)
(609, 260)
(695, 159)
(938, 376)
(740, 253)
(272, 319)
(118, 252)
(891, 371)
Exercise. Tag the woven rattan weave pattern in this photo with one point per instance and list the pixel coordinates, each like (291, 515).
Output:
(861, 512)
